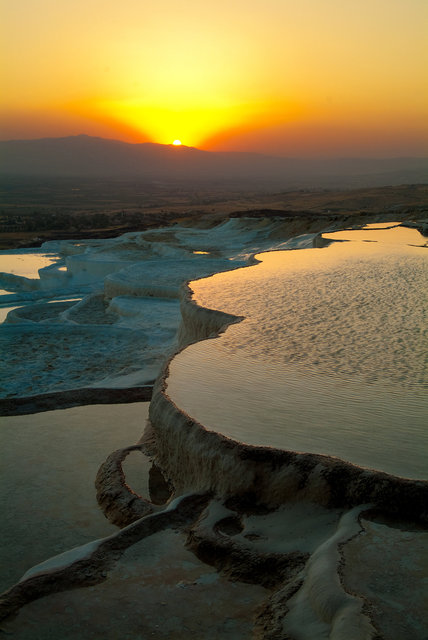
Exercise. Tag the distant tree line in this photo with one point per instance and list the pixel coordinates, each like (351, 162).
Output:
(41, 220)
(36, 220)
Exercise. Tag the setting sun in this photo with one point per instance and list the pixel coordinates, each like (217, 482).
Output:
(177, 143)
(283, 78)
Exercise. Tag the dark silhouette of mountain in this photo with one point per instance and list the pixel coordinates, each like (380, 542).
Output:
(86, 156)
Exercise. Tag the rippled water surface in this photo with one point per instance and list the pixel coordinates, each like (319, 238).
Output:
(331, 357)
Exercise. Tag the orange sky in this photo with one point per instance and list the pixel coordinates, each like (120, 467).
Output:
(290, 78)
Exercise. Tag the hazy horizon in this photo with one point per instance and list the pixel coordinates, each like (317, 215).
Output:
(88, 156)
(313, 156)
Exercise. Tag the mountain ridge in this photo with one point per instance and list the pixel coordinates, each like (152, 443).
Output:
(89, 156)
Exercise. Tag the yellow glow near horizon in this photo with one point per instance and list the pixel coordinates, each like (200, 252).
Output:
(177, 143)
(277, 76)
(196, 122)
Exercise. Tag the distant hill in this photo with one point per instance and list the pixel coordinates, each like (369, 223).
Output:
(85, 156)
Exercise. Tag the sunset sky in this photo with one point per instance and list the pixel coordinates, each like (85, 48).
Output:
(300, 77)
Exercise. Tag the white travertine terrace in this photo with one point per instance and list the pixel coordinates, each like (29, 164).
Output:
(127, 292)
(294, 524)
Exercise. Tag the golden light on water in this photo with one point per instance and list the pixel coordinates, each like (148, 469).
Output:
(314, 345)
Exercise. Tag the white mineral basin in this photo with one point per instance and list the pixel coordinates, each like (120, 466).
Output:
(331, 357)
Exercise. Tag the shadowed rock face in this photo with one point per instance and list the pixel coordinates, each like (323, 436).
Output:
(316, 591)
(72, 398)
(190, 456)
(305, 556)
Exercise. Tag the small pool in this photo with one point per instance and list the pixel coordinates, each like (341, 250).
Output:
(25, 262)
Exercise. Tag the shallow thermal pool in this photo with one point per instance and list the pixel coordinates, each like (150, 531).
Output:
(331, 356)
(25, 262)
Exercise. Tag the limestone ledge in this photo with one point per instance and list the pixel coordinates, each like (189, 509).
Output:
(195, 459)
